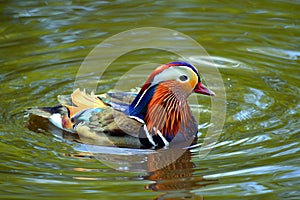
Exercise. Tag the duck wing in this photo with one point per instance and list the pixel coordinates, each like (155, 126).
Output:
(107, 126)
(94, 120)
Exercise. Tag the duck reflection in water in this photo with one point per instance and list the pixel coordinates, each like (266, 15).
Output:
(176, 179)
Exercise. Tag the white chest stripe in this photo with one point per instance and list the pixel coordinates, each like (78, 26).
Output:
(162, 137)
(140, 98)
(149, 136)
(145, 129)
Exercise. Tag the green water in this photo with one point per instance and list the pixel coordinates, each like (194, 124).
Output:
(255, 45)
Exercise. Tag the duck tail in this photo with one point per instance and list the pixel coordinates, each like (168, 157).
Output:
(61, 116)
(58, 115)
(46, 112)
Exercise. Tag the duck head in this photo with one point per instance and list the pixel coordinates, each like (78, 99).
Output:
(162, 101)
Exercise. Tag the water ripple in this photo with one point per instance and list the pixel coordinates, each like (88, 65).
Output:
(276, 52)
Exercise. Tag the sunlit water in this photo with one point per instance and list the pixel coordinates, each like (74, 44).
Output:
(256, 48)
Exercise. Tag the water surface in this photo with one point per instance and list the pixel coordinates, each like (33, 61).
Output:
(256, 48)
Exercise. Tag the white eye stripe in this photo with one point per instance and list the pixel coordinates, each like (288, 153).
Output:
(172, 73)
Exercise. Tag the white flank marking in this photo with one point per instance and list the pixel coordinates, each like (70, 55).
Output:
(56, 120)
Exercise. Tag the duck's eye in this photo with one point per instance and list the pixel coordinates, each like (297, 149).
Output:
(183, 77)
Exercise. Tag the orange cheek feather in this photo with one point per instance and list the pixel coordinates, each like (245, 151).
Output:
(189, 86)
(193, 83)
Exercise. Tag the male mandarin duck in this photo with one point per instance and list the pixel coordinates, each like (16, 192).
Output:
(158, 115)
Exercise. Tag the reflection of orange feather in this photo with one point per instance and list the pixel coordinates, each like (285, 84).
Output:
(168, 109)
(83, 101)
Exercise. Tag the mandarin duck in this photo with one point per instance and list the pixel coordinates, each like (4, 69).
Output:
(157, 116)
